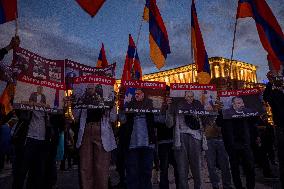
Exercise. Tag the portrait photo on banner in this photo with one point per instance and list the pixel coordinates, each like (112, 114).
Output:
(196, 99)
(93, 92)
(40, 82)
(242, 103)
(75, 69)
(144, 97)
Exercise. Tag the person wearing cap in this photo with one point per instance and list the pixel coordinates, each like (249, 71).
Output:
(275, 98)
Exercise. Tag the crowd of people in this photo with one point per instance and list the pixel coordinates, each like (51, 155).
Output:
(141, 142)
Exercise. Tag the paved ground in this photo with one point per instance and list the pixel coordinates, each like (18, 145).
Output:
(69, 179)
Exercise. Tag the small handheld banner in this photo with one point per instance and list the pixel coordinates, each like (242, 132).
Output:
(40, 82)
(196, 99)
(144, 96)
(241, 103)
(93, 92)
(75, 69)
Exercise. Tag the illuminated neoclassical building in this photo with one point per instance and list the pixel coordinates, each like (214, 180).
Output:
(242, 74)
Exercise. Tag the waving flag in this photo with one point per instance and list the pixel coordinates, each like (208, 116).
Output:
(8, 10)
(102, 61)
(200, 54)
(269, 31)
(146, 11)
(91, 6)
(137, 68)
(158, 39)
(126, 75)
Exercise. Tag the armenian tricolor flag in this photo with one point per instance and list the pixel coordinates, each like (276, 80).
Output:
(126, 75)
(158, 39)
(146, 11)
(137, 68)
(102, 61)
(269, 31)
(200, 54)
(8, 10)
(91, 6)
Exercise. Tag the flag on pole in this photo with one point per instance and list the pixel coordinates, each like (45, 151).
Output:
(102, 60)
(126, 75)
(269, 30)
(91, 6)
(158, 38)
(146, 11)
(200, 54)
(137, 67)
(8, 10)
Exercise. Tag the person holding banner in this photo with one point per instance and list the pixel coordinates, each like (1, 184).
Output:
(95, 142)
(274, 96)
(237, 138)
(188, 144)
(15, 42)
(138, 138)
(32, 149)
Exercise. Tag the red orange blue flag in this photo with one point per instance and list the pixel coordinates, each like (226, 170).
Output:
(102, 60)
(158, 38)
(127, 70)
(200, 54)
(91, 6)
(269, 30)
(137, 67)
(8, 10)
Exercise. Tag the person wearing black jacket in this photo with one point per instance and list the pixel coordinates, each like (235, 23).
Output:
(237, 140)
(165, 151)
(274, 96)
(137, 135)
(15, 42)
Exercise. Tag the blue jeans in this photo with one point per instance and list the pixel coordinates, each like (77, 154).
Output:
(139, 165)
(189, 155)
(216, 154)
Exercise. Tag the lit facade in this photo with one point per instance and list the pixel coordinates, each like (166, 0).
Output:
(242, 74)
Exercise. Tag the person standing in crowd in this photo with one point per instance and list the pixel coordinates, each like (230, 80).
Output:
(68, 145)
(95, 142)
(274, 96)
(6, 123)
(165, 148)
(57, 124)
(216, 154)
(188, 145)
(15, 42)
(237, 141)
(139, 139)
(35, 149)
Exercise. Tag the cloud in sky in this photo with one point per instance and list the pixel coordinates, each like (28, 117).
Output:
(61, 29)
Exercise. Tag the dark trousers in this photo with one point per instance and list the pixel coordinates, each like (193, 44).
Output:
(51, 169)
(280, 148)
(5, 143)
(33, 164)
(166, 157)
(139, 165)
(242, 157)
